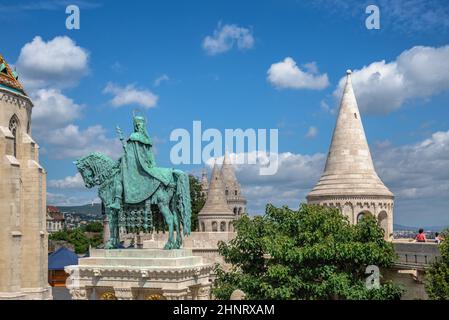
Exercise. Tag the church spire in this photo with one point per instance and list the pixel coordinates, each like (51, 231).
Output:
(216, 203)
(228, 174)
(349, 168)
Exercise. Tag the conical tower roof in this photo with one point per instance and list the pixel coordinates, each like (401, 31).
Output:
(216, 203)
(9, 79)
(349, 168)
(228, 173)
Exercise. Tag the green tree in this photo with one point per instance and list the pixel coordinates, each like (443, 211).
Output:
(79, 240)
(59, 236)
(197, 200)
(437, 276)
(94, 227)
(311, 253)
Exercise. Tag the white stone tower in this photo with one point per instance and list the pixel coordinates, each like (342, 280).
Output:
(216, 215)
(349, 181)
(204, 183)
(236, 202)
(23, 236)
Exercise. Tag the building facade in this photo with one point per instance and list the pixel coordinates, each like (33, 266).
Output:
(23, 236)
(55, 220)
(349, 181)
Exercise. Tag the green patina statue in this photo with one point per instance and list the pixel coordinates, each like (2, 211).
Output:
(129, 186)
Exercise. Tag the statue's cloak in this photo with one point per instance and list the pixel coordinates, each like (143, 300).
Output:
(141, 177)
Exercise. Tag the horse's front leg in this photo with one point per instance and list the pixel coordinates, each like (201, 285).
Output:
(168, 217)
(178, 242)
(113, 229)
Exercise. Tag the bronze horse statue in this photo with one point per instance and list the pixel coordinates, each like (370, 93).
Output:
(172, 199)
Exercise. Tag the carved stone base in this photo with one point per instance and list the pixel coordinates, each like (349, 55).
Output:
(140, 274)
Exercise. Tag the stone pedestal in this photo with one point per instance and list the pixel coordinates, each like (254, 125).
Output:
(140, 274)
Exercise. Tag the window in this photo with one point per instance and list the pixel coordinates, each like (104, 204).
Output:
(13, 127)
(235, 192)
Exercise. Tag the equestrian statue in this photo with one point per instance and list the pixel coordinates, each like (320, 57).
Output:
(130, 186)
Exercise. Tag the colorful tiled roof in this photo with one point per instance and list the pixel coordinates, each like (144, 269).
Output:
(9, 78)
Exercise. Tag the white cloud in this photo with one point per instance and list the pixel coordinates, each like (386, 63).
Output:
(131, 95)
(71, 142)
(312, 132)
(161, 79)
(69, 182)
(58, 63)
(80, 198)
(226, 37)
(52, 109)
(286, 74)
(418, 174)
(382, 87)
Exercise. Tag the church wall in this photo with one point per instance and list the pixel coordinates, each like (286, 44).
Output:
(23, 262)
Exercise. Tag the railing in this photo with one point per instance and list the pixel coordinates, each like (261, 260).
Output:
(415, 254)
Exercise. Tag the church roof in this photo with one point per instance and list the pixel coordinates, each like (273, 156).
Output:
(61, 258)
(9, 78)
(216, 203)
(349, 167)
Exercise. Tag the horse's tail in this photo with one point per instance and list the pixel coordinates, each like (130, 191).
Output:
(183, 206)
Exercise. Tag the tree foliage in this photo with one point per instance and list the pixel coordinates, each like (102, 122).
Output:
(197, 200)
(311, 253)
(94, 227)
(79, 239)
(437, 276)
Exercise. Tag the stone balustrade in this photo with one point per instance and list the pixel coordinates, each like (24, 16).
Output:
(415, 254)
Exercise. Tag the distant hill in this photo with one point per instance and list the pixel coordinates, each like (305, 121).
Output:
(397, 227)
(88, 209)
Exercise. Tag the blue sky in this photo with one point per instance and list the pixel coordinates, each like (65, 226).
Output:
(85, 82)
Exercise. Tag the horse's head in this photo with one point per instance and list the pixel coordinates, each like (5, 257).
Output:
(95, 168)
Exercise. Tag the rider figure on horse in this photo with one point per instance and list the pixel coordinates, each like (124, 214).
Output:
(140, 175)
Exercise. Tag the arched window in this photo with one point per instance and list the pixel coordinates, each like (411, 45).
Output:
(214, 226)
(235, 211)
(14, 128)
(227, 192)
(382, 220)
(223, 226)
(362, 215)
(203, 228)
(235, 192)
